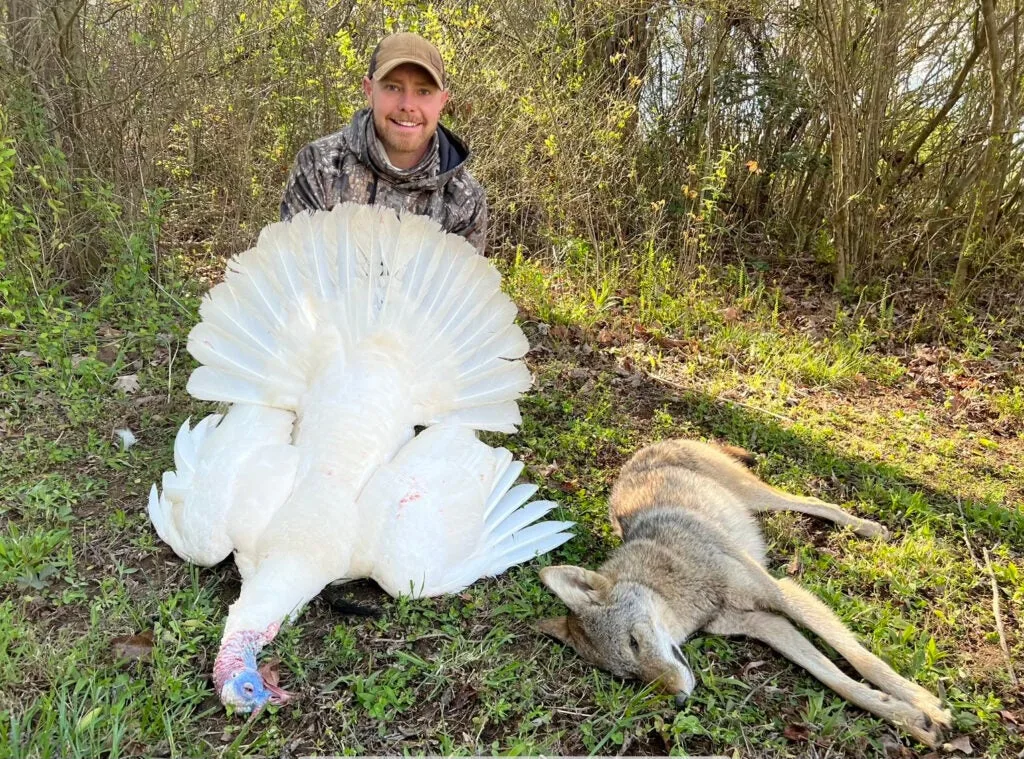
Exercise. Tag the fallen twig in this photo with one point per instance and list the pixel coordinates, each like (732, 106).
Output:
(999, 617)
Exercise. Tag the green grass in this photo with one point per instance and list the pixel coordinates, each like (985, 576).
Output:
(830, 405)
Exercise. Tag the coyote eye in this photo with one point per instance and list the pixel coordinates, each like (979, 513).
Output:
(633, 644)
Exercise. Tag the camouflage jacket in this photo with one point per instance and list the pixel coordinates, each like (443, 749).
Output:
(352, 166)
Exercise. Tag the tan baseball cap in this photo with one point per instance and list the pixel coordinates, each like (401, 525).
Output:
(406, 47)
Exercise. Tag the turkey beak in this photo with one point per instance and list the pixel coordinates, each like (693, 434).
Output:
(279, 696)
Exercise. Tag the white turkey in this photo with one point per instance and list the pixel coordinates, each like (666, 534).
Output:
(332, 339)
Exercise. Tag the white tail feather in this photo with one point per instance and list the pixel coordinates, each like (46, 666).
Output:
(528, 544)
(517, 520)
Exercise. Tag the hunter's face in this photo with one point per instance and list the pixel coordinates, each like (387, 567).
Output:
(407, 104)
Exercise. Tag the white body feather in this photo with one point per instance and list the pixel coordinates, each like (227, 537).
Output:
(332, 338)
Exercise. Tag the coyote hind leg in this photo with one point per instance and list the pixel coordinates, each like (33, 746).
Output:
(781, 635)
(760, 496)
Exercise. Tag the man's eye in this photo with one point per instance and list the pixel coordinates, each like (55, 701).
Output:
(634, 644)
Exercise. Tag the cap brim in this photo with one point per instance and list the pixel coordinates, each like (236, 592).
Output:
(386, 68)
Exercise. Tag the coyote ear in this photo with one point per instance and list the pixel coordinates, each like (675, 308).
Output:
(577, 587)
(557, 628)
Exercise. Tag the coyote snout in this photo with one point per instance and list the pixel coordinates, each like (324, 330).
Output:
(693, 559)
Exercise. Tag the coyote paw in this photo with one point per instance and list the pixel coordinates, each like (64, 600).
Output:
(933, 710)
(868, 529)
(926, 729)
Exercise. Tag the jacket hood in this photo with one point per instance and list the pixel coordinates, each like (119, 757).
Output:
(446, 156)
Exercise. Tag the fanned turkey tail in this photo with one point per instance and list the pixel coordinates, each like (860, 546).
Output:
(360, 279)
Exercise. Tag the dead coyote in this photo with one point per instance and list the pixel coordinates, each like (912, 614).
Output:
(693, 559)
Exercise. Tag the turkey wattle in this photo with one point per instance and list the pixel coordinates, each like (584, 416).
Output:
(332, 339)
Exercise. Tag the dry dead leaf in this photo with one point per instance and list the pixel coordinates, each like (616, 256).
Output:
(559, 332)
(672, 343)
(127, 383)
(568, 486)
(159, 358)
(270, 671)
(731, 315)
(896, 750)
(795, 566)
(752, 665)
(547, 470)
(608, 337)
(961, 744)
(107, 354)
(797, 733)
(1008, 716)
(133, 647)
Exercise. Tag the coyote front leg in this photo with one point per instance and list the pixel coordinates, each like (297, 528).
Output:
(808, 610)
(781, 635)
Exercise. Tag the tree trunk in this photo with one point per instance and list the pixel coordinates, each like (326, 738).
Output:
(45, 48)
(857, 58)
(980, 232)
(619, 36)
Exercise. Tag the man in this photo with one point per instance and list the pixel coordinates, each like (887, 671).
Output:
(394, 153)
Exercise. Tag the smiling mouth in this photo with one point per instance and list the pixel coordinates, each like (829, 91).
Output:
(405, 124)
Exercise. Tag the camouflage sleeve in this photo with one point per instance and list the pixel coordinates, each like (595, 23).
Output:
(474, 229)
(305, 187)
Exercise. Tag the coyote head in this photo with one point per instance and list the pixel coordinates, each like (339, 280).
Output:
(623, 627)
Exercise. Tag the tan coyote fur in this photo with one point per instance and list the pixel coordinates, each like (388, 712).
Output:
(693, 559)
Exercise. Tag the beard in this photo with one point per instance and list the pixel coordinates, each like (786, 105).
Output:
(398, 141)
